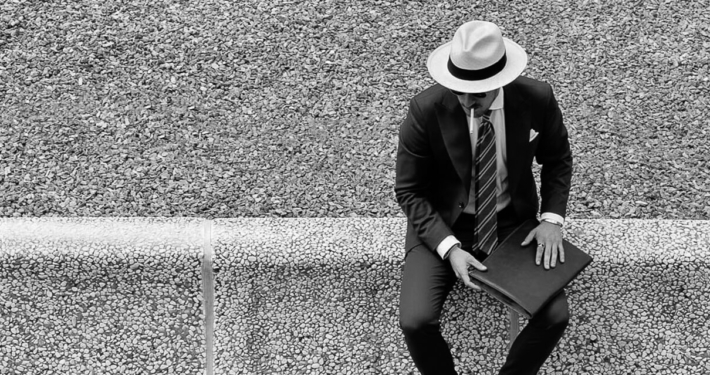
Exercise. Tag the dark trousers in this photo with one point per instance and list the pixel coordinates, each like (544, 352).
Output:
(427, 281)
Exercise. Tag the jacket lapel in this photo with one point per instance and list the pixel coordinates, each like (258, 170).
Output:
(454, 130)
(517, 131)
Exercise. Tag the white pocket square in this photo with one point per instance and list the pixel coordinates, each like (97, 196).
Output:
(533, 134)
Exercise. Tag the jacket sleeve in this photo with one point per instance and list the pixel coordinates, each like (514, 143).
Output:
(555, 156)
(413, 184)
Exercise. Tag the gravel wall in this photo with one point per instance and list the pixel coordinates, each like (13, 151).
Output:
(290, 108)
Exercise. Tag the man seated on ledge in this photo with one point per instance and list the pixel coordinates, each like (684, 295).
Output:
(465, 181)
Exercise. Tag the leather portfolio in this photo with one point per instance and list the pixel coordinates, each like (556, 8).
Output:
(513, 278)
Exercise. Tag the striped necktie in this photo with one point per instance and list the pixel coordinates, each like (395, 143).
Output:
(486, 235)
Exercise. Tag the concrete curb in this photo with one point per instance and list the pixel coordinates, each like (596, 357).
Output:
(102, 295)
(289, 295)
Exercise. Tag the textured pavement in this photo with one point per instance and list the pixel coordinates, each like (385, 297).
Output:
(100, 296)
(302, 296)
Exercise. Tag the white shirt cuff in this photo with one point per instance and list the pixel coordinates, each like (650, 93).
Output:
(446, 245)
(553, 217)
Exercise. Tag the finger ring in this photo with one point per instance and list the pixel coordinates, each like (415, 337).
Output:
(541, 244)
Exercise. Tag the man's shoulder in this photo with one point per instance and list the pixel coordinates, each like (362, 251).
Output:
(527, 86)
(430, 95)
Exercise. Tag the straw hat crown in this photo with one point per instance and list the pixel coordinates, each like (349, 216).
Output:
(477, 59)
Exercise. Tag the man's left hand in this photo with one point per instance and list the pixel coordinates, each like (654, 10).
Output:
(549, 244)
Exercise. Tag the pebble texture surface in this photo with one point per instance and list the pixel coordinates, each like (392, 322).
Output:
(101, 296)
(320, 296)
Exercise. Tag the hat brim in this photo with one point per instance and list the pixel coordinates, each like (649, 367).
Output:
(438, 60)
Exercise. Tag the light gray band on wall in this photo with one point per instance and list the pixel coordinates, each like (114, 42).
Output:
(208, 292)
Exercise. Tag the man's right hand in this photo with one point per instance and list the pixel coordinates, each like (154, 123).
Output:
(460, 260)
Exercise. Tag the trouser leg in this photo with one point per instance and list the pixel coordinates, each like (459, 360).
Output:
(536, 342)
(426, 282)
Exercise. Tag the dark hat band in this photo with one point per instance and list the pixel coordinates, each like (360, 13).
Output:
(477, 74)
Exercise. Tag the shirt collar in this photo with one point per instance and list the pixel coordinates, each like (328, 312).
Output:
(498, 101)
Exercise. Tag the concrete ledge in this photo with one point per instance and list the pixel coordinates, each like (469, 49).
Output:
(101, 296)
(302, 296)
(307, 296)
(320, 296)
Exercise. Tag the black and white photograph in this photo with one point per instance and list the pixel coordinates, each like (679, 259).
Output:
(339, 187)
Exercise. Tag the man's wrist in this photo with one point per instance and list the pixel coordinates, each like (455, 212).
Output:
(552, 218)
(451, 250)
(551, 221)
(445, 246)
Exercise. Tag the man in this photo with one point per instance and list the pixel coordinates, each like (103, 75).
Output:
(464, 181)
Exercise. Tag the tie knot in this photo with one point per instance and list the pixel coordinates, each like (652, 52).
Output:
(486, 116)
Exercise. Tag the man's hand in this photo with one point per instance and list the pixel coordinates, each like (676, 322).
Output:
(460, 260)
(549, 244)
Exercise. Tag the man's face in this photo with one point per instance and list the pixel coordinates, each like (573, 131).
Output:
(478, 103)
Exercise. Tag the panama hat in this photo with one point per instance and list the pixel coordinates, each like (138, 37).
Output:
(477, 59)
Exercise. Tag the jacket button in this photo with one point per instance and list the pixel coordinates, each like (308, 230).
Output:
(460, 204)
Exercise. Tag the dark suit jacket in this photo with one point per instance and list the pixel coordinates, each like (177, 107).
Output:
(434, 158)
